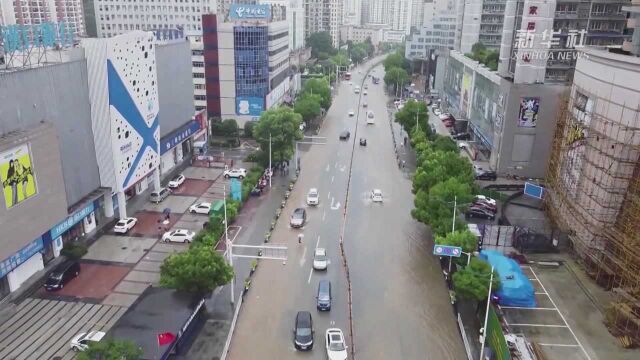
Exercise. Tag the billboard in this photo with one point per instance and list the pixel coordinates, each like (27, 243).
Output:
(528, 114)
(17, 175)
(246, 105)
(249, 12)
(466, 92)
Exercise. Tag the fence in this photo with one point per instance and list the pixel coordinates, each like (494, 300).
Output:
(495, 337)
(497, 237)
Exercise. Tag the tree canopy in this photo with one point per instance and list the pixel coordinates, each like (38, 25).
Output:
(406, 117)
(340, 59)
(434, 207)
(438, 166)
(445, 143)
(397, 77)
(462, 238)
(321, 45)
(284, 126)
(308, 106)
(480, 53)
(472, 282)
(198, 270)
(111, 349)
(319, 87)
(396, 60)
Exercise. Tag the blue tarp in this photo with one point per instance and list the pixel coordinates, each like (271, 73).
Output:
(515, 287)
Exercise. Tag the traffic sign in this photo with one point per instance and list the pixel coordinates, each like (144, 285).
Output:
(445, 250)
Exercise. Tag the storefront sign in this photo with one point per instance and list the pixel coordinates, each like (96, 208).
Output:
(249, 12)
(183, 133)
(246, 105)
(72, 220)
(10, 263)
(45, 35)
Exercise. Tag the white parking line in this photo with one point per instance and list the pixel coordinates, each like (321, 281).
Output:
(562, 345)
(329, 195)
(541, 293)
(540, 325)
(332, 179)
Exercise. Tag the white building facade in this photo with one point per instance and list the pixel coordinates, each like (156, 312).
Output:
(38, 12)
(324, 15)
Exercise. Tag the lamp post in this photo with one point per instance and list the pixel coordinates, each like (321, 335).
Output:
(486, 317)
(228, 243)
(270, 168)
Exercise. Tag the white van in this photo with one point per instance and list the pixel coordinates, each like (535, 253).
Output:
(357, 90)
(370, 118)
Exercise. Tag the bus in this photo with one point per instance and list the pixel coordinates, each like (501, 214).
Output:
(347, 76)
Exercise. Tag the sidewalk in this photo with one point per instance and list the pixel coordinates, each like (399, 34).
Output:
(403, 153)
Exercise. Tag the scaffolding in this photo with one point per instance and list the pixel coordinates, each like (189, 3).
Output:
(594, 183)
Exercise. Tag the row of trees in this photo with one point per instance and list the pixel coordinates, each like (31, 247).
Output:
(396, 69)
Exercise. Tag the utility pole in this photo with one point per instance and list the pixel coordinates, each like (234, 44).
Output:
(270, 168)
(453, 224)
(228, 243)
(417, 115)
(486, 317)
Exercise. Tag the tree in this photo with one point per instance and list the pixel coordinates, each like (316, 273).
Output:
(434, 207)
(472, 282)
(230, 128)
(319, 87)
(478, 47)
(358, 53)
(321, 44)
(394, 60)
(308, 106)
(284, 126)
(111, 349)
(464, 239)
(370, 48)
(407, 116)
(445, 143)
(438, 166)
(396, 77)
(199, 270)
(248, 128)
(340, 59)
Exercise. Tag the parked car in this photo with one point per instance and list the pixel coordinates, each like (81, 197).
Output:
(461, 136)
(485, 205)
(335, 344)
(364, 105)
(485, 198)
(364, 92)
(323, 300)
(235, 173)
(437, 111)
(363, 142)
(124, 225)
(176, 182)
(479, 212)
(352, 113)
(179, 236)
(81, 341)
(303, 331)
(200, 208)
(487, 175)
(157, 196)
(376, 195)
(62, 274)
(320, 261)
(313, 198)
(345, 135)
(298, 218)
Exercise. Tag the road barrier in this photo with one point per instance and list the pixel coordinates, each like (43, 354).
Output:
(464, 338)
(227, 343)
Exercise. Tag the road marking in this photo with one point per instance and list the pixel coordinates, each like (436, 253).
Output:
(303, 258)
(332, 179)
(324, 214)
(318, 242)
(329, 195)
(564, 345)
(310, 273)
(342, 169)
(327, 168)
(336, 166)
(335, 207)
(332, 322)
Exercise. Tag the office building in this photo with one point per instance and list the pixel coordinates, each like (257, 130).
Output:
(417, 13)
(324, 16)
(69, 12)
(295, 17)
(437, 33)
(353, 12)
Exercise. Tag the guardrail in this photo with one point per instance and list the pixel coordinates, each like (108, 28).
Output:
(227, 343)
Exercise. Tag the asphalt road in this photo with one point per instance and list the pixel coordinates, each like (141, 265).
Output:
(400, 303)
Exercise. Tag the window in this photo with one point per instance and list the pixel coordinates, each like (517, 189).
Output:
(198, 75)
(200, 97)
(197, 64)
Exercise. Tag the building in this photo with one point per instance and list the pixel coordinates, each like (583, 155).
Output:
(361, 33)
(417, 13)
(247, 65)
(437, 33)
(295, 16)
(364, 12)
(199, 83)
(69, 12)
(395, 13)
(353, 12)
(324, 15)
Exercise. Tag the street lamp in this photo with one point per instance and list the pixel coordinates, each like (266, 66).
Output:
(227, 242)
(483, 335)
(270, 168)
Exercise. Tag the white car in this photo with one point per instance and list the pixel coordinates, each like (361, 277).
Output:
(463, 145)
(175, 183)
(179, 235)
(486, 199)
(352, 113)
(313, 198)
(376, 195)
(81, 341)
(370, 118)
(437, 112)
(364, 92)
(235, 173)
(320, 260)
(335, 344)
(124, 225)
(200, 208)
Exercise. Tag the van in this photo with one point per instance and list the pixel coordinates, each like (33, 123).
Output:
(157, 196)
(323, 300)
(62, 275)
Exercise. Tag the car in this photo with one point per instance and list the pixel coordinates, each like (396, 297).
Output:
(434, 106)
(487, 175)
(320, 261)
(335, 344)
(351, 113)
(485, 198)
(313, 198)
(81, 341)
(303, 331)
(370, 118)
(176, 182)
(323, 300)
(463, 145)
(200, 208)
(461, 136)
(179, 236)
(357, 90)
(365, 92)
(363, 142)
(485, 205)
(479, 212)
(437, 112)
(124, 225)
(376, 195)
(62, 274)
(235, 173)
(345, 135)
(364, 105)
(157, 196)
(298, 218)
(366, 86)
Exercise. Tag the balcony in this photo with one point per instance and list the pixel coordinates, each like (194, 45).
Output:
(566, 14)
(613, 15)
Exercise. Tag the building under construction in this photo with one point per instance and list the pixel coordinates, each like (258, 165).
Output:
(594, 180)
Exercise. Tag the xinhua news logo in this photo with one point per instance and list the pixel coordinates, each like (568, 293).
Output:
(548, 40)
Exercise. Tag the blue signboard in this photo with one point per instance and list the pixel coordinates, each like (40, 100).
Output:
(12, 262)
(246, 105)
(72, 220)
(236, 190)
(533, 190)
(249, 12)
(21, 37)
(445, 250)
(181, 134)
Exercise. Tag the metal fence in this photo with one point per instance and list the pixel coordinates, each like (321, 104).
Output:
(495, 337)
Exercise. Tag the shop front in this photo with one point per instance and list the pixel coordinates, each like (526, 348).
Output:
(177, 146)
(17, 268)
(75, 227)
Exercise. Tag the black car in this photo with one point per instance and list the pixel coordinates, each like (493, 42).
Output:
(487, 175)
(461, 136)
(62, 275)
(303, 331)
(345, 135)
(298, 218)
(323, 300)
(479, 212)
(363, 141)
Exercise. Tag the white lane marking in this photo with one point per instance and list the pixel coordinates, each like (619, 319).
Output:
(335, 207)
(332, 322)
(324, 214)
(310, 273)
(332, 179)
(318, 242)
(336, 166)
(329, 195)
(327, 168)
(332, 200)
(342, 168)
(303, 258)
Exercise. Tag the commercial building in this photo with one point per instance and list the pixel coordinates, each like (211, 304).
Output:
(324, 15)
(395, 13)
(295, 17)
(361, 33)
(594, 177)
(437, 33)
(69, 12)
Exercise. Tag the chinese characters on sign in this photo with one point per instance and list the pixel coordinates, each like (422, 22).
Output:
(246, 12)
(574, 39)
(21, 37)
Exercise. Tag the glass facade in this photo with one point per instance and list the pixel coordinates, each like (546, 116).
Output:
(251, 52)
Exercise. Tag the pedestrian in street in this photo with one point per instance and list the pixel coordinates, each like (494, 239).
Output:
(300, 236)
(405, 140)
(403, 162)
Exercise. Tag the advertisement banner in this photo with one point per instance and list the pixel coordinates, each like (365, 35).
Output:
(246, 105)
(249, 12)
(528, 114)
(466, 92)
(17, 176)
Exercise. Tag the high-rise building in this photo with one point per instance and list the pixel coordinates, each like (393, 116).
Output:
(380, 11)
(324, 15)
(417, 13)
(364, 12)
(295, 18)
(395, 13)
(38, 12)
(353, 12)
(437, 33)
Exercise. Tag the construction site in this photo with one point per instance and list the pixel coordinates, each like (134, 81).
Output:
(594, 197)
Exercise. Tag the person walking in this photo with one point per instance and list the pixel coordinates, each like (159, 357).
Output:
(300, 236)
(403, 163)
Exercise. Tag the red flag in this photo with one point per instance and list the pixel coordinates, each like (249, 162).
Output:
(165, 338)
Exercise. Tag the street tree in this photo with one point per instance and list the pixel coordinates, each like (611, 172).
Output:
(472, 282)
(358, 53)
(438, 166)
(111, 349)
(319, 87)
(283, 124)
(370, 48)
(308, 106)
(462, 238)
(411, 111)
(445, 143)
(198, 270)
(397, 77)
(321, 45)
(340, 59)
(434, 207)
(395, 60)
